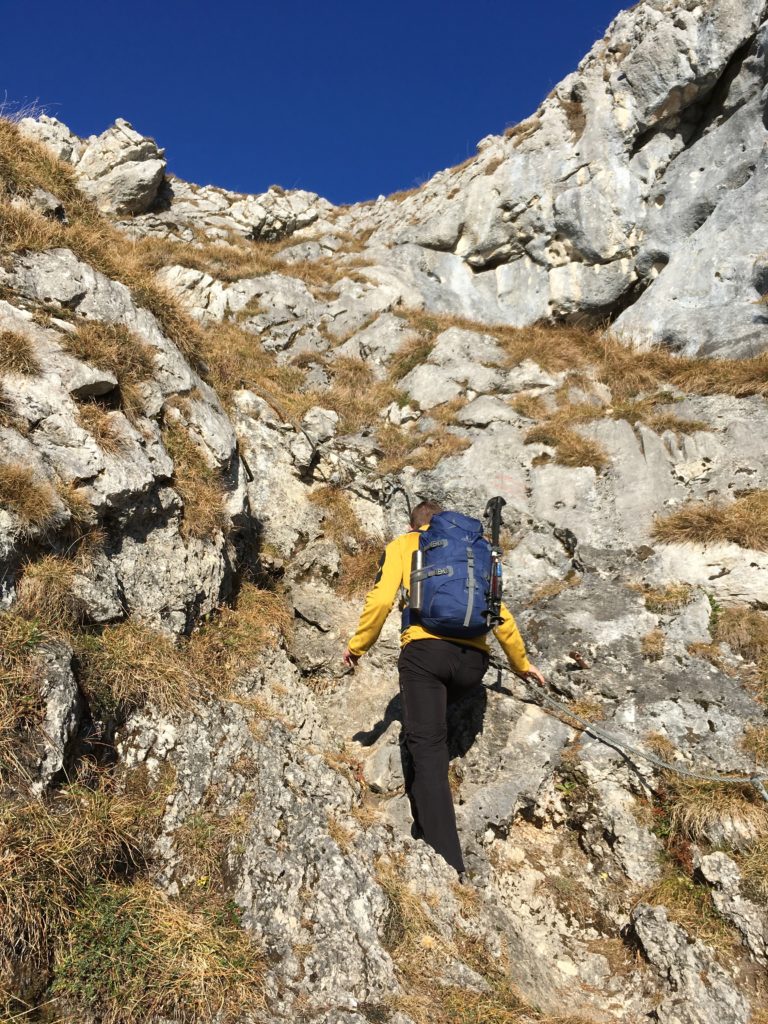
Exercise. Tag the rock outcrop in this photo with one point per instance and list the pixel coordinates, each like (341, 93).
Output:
(208, 443)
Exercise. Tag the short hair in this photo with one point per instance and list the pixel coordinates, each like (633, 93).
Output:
(422, 513)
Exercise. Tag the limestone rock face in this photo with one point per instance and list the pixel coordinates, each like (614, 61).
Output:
(149, 566)
(617, 194)
(121, 169)
(635, 193)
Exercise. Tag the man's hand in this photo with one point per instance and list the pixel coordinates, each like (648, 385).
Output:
(533, 673)
(350, 659)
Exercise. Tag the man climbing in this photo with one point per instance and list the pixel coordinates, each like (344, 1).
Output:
(434, 669)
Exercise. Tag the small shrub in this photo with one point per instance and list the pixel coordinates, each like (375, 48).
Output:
(29, 499)
(17, 354)
(743, 522)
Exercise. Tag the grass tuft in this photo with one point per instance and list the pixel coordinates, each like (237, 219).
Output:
(17, 354)
(103, 425)
(224, 646)
(128, 665)
(133, 955)
(571, 448)
(51, 853)
(199, 485)
(46, 594)
(743, 522)
(668, 599)
(114, 348)
(30, 500)
(652, 644)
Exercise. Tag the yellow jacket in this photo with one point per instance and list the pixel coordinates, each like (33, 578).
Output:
(394, 573)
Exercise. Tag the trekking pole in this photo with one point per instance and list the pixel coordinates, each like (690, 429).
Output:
(493, 513)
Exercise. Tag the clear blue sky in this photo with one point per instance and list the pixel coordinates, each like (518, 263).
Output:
(349, 99)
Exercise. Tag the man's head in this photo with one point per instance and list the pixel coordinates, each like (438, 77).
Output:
(422, 513)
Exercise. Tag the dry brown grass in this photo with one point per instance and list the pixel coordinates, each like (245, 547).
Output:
(523, 130)
(229, 642)
(51, 852)
(745, 630)
(404, 193)
(553, 588)
(358, 568)
(199, 485)
(133, 955)
(652, 644)
(356, 395)
(668, 599)
(412, 354)
(696, 808)
(340, 833)
(755, 743)
(46, 595)
(340, 521)
(114, 348)
(103, 425)
(17, 354)
(226, 261)
(31, 500)
(422, 451)
(129, 665)
(237, 360)
(660, 745)
(533, 407)
(628, 372)
(690, 905)
(25, 165)
(360, 551)
(203, 838)
(754, 870)
(743, 522)
(571, 448)
(8, 414)
(20, 700)
(588, 708)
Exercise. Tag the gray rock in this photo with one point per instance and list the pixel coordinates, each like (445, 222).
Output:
(698, 989)
(723, 875)
(121, 169)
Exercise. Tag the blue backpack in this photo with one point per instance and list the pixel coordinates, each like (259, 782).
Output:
(451, 578)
